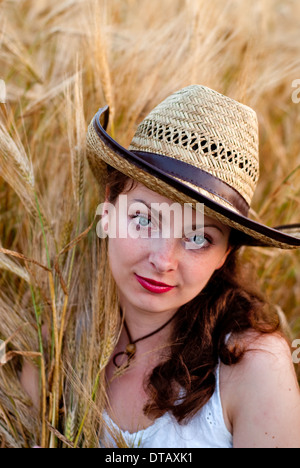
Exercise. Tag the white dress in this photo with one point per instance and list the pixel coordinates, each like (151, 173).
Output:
(206, 429)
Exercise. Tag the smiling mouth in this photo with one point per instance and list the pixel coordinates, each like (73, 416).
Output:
(153, 286)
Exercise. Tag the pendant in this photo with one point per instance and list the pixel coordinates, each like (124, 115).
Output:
(129, 352)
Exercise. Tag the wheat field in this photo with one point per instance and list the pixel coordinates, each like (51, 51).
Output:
(59, 62)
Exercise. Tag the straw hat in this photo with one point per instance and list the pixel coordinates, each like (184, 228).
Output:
(197, 146)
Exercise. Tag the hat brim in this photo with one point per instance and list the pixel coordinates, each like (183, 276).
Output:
(104, 149)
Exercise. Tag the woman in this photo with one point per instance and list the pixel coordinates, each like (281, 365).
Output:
(201, 360)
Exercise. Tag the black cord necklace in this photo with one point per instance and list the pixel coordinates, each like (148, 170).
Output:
(131, 347)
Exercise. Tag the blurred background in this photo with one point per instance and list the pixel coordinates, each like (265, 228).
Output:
(62, 60)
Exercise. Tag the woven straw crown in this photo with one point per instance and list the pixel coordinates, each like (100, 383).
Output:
(208, 130)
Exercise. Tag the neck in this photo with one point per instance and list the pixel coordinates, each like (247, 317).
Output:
(140, 323)
(142, 326)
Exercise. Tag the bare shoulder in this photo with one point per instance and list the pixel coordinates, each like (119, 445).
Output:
(269, 354)
(261, 393)
(261, 347)
(266, 357)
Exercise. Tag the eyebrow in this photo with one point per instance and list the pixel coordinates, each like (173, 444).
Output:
(145, 203)
(194, 227)
(216, 227)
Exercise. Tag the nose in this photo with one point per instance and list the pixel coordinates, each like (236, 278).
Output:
(164, 255)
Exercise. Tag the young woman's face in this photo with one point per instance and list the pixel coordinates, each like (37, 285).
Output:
(161, 264)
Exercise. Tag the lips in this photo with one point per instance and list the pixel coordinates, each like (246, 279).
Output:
(153, 286)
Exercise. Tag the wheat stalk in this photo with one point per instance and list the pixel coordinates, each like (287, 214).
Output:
(17, 169)
(98, 45)
(77, 136)
(9, 265)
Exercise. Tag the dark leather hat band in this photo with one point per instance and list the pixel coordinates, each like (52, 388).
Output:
(198, 178)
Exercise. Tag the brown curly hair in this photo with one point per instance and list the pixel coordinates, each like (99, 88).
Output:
(230, 304)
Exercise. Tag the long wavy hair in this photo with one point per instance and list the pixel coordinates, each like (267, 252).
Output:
(230, 304)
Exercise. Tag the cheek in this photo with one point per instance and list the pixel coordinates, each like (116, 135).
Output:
(115, 257)
(124, 253)
(116, 249)
(200, 270)
(222, 258)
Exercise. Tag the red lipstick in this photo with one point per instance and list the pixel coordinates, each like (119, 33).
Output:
(153, 286)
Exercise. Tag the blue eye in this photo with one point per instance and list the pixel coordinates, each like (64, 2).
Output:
(198, 239)
(143, 221)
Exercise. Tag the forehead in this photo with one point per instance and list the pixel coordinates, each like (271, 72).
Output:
(142, 193)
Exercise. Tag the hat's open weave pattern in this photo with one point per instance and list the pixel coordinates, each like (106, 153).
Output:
(208, 130)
